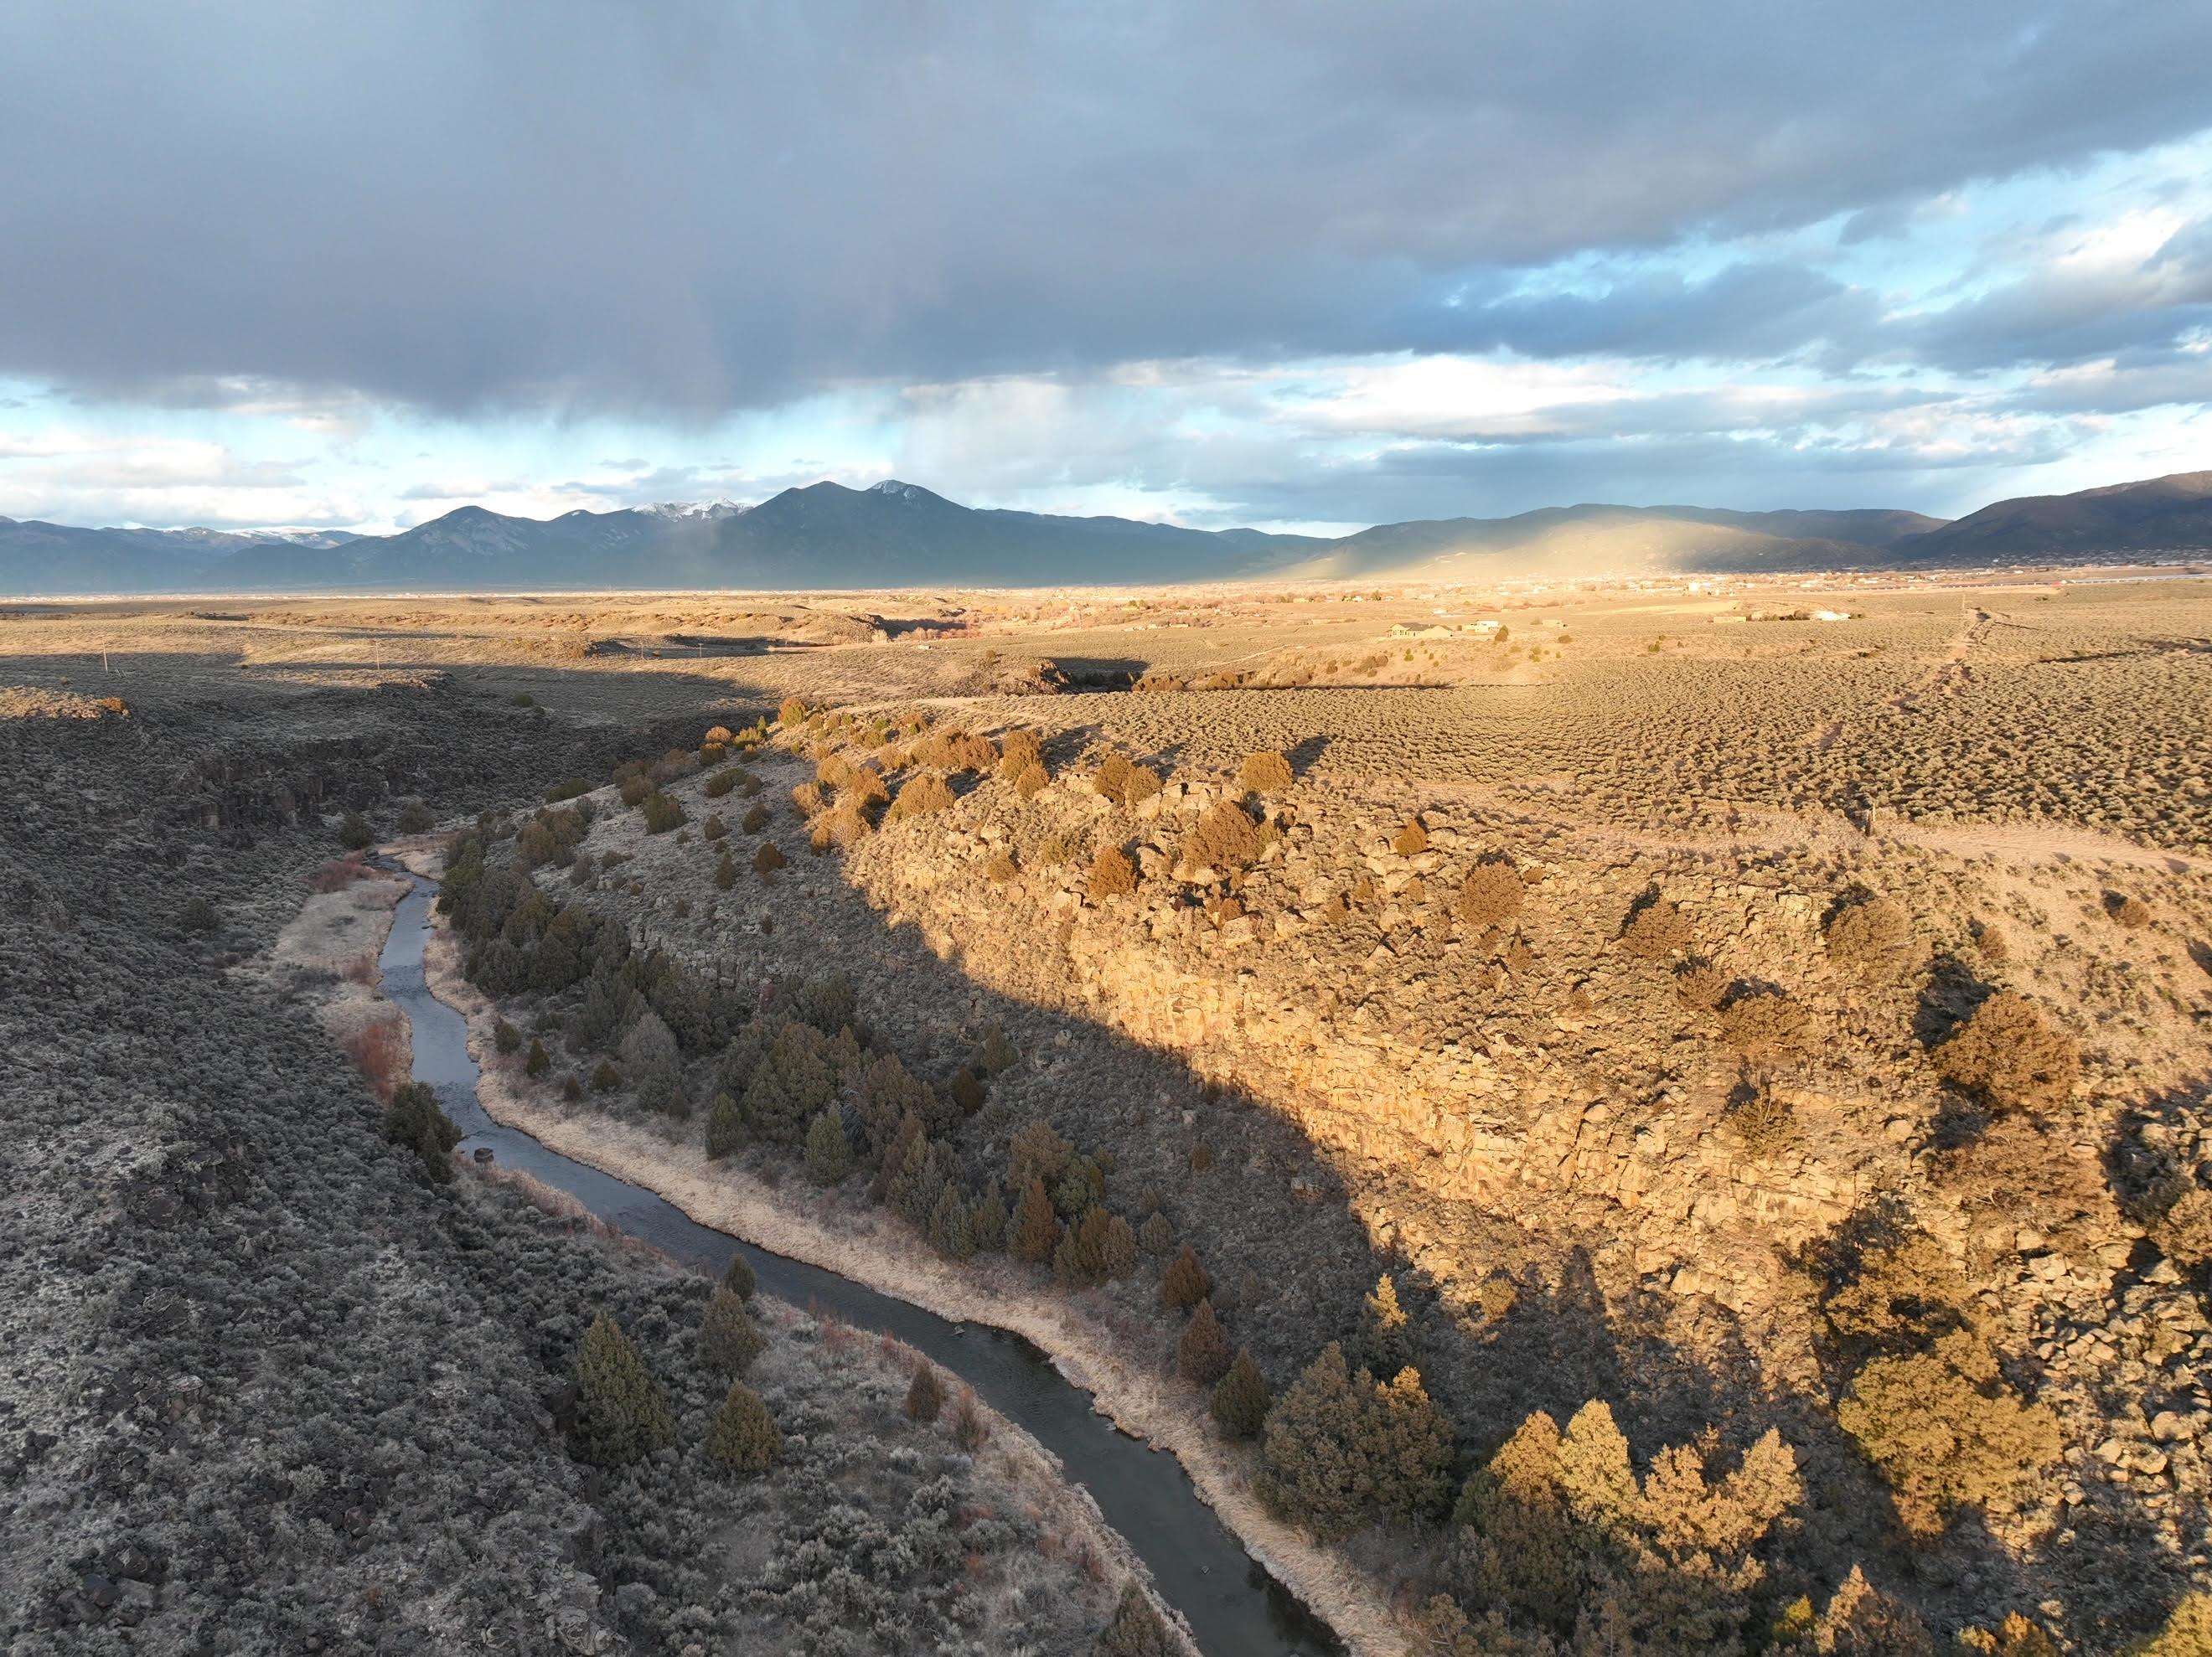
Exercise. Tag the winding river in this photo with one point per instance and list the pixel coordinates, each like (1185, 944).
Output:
(1232, 1605)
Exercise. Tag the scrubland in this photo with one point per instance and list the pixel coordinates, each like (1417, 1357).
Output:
(1682, 1126)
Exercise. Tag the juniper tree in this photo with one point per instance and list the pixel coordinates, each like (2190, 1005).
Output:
(737, 1277)
(829, 1152)
(1240, 1400)
(949, 1232)
(621, 1411)
(1202, 1356)
(743, 1437)
(1034, 1233)
(1184, 1283)
(729, 1340)
(1135, 1630)
(925, 1393)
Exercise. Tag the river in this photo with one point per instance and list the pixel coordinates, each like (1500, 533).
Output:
(1232, 1605)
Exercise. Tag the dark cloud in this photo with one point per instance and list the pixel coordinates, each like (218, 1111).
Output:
(685, 209)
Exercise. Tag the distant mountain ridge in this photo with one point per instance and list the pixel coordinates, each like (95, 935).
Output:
(898, 534)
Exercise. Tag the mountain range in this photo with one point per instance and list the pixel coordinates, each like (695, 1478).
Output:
(895, 534)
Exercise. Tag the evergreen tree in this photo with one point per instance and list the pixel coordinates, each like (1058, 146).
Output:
(948, 1225)
(414, 1119)
(737, 1277)
(970, 1429)
(743, 1437)
(829, 1152)
(1034, 1233)
(1202, 1354)
(725, 873)
(1136, 1630)
(729, 1340)
(1240, 1400)
(910, 1132)
(925, 1394)
(1342, 1450)
(1117, 1250)
(621, 1412)
(1184, 1283)
(726, 1126)
(1079, 1262)
(987, 1221)
(538, 1061)
(1385, 1344)
(920, 1181)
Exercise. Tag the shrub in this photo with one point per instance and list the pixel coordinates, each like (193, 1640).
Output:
(505, 1036)
(1412, 838)
(635, 788)
(729, 1340)
(1490, 895)
(720, 782)
(1945, 1432)
(725, 873)
(1017, 749)
(1202, 1354)
(792, 714)
(1240, 1400)
(621, 1412)
(1030, 781)
(662, 813)
(2187, 1633)
(755, 819)
(568, 789)
(1111, 777)
(1656, 929)
(1700, 986)
(197, 915)
(1184, 1283)
(415, 818)
(920, 797)
(2007, 1055)
(1224, 837)
(766, 860)
(1112, 875)
(2128, 910)
(925, 1393)
(713, 828)
(743, 1438)
(1761, 1125)
(354, 832)
(538, 1061)
(606, 1078)
(1871, 935)
(1265, 772)
(1765, 1024)
(1135, 1630)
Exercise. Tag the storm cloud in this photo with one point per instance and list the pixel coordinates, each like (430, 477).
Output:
(682, 214)
(692, 207)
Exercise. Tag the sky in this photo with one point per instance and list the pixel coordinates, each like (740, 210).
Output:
(1290, 265)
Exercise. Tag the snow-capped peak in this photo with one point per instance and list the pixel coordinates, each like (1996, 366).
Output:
(679, 511)
(892, 486)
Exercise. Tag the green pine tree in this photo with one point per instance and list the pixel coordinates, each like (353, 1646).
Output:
(621, 1412)
(1184, 1283)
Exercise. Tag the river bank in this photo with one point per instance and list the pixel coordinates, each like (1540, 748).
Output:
(870, 1249)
